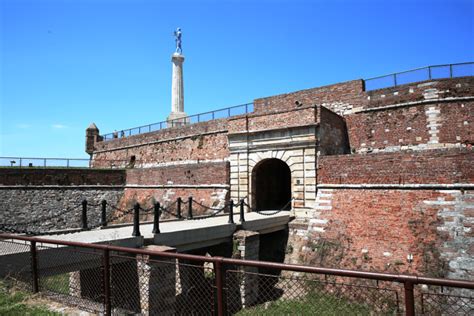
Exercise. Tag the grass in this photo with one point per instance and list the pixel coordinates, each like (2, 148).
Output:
(16, 302)
(58, 283)
(312, 304)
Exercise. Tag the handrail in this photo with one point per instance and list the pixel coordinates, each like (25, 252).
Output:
(414, 279)
(395, 80)
(191, 119)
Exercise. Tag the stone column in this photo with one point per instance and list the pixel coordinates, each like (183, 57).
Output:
(248, 244)
(177, 115)
(157, 283)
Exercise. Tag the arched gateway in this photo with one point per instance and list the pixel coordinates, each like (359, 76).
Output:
(271, 185)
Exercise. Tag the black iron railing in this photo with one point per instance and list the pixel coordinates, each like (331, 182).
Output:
(196, 118)
(420, 74)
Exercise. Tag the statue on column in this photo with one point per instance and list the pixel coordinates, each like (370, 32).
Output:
(177, 35)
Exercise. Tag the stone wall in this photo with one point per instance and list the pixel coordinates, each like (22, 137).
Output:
(53, 196)
(56, 208)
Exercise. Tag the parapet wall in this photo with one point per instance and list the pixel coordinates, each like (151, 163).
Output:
(60, 177)
(435, 167)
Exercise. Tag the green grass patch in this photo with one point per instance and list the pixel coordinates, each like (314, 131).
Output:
(14, 302)
(314, 303)
(56, 283)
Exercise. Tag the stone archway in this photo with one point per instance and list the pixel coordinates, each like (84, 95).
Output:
(271, 185)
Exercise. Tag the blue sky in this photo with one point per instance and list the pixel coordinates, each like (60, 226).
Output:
(65, 63)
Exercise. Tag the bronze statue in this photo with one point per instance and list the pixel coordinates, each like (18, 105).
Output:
(177, 35)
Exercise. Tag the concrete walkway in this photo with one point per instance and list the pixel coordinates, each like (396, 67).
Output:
(183, 234)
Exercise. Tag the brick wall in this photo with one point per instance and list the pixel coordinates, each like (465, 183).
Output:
(202, 141)
(414, 127)
(375, 230)
(186, 174)
(281, 118)
(420, 91)
(338, 97)
(428, 167)
(332, 136)
(61, 176)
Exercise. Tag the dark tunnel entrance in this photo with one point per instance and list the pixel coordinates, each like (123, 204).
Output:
(271, 182)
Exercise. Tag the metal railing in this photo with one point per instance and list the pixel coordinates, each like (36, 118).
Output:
(420, 74)
(196, 118)
(25, 162)
(73, 220)
(117, 280)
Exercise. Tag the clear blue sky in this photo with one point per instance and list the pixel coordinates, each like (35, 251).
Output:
(65, 64)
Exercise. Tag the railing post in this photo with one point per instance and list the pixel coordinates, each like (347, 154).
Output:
(106, 267)
(44, 162)
(67, 163)
(219, 287)
(34, 266)
(190, 207)
(242, 216)
(409, 298)
(178, 208)
(103, 214)
(20, 162)
(231, 212)
(395, 80)
(156, 219)
(429, 72)
(84, 214)
(450, 70)
(136, 220)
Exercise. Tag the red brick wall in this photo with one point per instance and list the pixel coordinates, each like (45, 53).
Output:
(408, 126)
(381, 129)
(61, 176)
(333, 139)
(347, 92)
(190, 174)
(457, 123)
(375, 230)
(435, 166)
(278, 119)
(211, 197)
(456, 87)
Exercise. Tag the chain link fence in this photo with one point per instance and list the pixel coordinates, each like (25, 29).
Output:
(157, 281)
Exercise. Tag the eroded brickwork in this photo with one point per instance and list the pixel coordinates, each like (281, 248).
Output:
(379, 229)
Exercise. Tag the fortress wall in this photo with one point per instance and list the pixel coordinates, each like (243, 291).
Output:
(453, 166)
(282, 118)
(417, 127)
(189, 144)
(421, 91)
(340, 98)
(207, 183)
(375, 230)
(374, 210)
(28, 194)
(60, 176)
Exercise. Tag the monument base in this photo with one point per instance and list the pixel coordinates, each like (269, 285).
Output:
(176, 119)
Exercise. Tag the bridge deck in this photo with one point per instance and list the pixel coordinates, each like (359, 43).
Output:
(184, 234)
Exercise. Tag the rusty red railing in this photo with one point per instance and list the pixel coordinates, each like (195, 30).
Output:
(215, 285)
